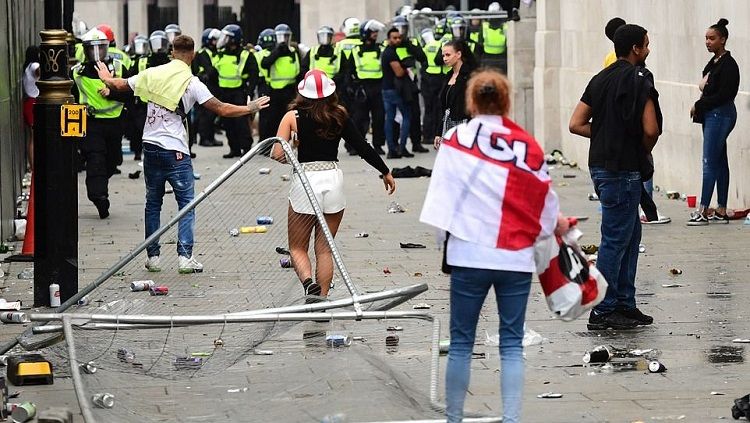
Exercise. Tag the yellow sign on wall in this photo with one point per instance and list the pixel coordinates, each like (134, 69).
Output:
(73, 120)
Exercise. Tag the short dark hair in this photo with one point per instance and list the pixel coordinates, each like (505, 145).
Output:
(627, 36)
(392, 30)
(183, 44)
(612, 27)
(721, 27)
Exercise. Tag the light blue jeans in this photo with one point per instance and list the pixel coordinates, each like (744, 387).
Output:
(161, 166)
(469, 288)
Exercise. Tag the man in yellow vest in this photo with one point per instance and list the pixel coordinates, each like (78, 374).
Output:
(170, 92)
(432, 79)
(368, 74)
(238, 75)
(284, 65)
(103, 140)
(264, 47)
(203, 68)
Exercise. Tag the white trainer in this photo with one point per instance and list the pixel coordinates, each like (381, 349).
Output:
(153, 265)
(189, 265)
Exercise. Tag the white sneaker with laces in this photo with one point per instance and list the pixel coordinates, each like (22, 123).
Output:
(189, 265)
(153, 265)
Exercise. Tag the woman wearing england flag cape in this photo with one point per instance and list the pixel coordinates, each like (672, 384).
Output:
(491, 192)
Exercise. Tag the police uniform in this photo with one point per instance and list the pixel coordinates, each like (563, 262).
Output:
(409, 54)
(432, 80)
(324, 58)
(136, 116)
(283, 65)
(265, 130)
(103, 139)
(204, 68)
(237, 77)
(368, 71)
(344, 49)
(494, 44)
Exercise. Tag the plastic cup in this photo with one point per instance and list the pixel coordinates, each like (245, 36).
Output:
(691, 199)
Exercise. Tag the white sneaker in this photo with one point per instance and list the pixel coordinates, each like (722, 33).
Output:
(152, 264)
(189, 265)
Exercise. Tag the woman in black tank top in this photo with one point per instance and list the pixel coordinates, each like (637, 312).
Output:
(320, 123)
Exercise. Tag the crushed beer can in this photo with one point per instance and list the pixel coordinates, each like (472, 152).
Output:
(285, 262)
(14, 317)
(84, 301)
(23, 412)
(264, 170)
(159, 290)
(362, 235)
(338, 340)
(656, 367)
(125, 355)
(89, 368)
(264, 220)
(187, 363)
(142, 285)
(391, 340)
(234, 232)
(103, 400)
(600, 354)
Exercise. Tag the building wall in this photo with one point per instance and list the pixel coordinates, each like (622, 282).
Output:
(570, 49)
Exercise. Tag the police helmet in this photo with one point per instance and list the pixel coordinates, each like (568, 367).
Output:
(267, 39)
(370, 26)
(439, 29)
(427, 35)
(141, 46)
(107, 30)
(402, 25)
(206, 37)
(172, 31)
(230, 33)
(458, 28)
(159, 42)
(351, 27)
(325, 35)
(494, 7)
(95, 45)
(283, 34)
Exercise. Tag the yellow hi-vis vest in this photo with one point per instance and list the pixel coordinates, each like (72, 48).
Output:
(211, 56)
(141, 63)
(116, 53)
(263, 72)
(403, 53)
(432, 50)
(344, 47)
(98, 106)
(284, 70)
(368, 65)
(230, 70)
(330, 65)
(494, 39)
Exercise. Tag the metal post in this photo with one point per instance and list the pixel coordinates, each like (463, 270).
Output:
(55, 180)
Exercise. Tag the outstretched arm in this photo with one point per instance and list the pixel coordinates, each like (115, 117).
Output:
(117, 84)
(231, 110)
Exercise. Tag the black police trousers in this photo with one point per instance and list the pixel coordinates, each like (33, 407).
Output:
(431, 85)
(238, 129)
(371, 106)
(98, 155)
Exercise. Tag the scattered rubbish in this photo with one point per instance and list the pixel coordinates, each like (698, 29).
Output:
(54, 295)
(359, 338)
(196, 176)
(409, 172)
(641, 248)
(264, 171)
(234, 232)
(551, 395)
(334, 418)
(236, 390)
(285, 178)
(478, 355)
(530, 337)
(218, 342)
(395, 207)
(27, 273)
(338, 340)
(581, 218)
(14, 394)
(3, 360)
(675, 271)
(29, 369)
(717, 393)
(200, 354)
(158, 290)
(362, 235)
(264, 220)
(394, 329)
(444, 346)
(593, 197)
(83, 301)
(134, 175)
(418, 274)
(263, 352)
(260, 229)
(386, 270)
(568, 176)
(747, 220)
(187, 363)
(103, 400)
(282, 250)
(639, 353)
(88, 368)
(741, 408)
(125, 355)
(671, 285)
(422, 306)
(673, 195)
(411, 245)
(563, 184)
(600, 354)
(12, 305)
(285, 263)
(741, 341)
(391, 340)
(23, 412)
(144, 285)
(590, 249)
(656, 367)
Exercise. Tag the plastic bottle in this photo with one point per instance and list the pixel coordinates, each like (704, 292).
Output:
(54, 295)
(334, 418)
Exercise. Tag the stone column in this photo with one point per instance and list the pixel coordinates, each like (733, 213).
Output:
(190, 13)
(547, 75)
(521, 67)
(138, 17)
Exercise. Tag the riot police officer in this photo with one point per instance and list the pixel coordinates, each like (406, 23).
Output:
(494, 41)
(368, 74)
(237, 76)
(203, 68)
(266, 44)
(103, 139)
(344, 49)
(284, 66)
(432, 79)
(136, 110)
(172, 31)
(114, 52)
(323, 56)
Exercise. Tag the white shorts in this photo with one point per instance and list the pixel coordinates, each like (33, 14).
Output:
(328, 188)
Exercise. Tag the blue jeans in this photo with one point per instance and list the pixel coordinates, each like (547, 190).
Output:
(619, 194)
(469, 288)
(717, 125)
(161, 166)
(392, 101)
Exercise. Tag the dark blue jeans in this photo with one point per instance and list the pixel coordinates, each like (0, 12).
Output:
(161, 166)
(717, 125)
(392, 101)
(469, 288)
(619, 194)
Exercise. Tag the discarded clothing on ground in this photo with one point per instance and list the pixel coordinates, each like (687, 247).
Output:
(409, 172)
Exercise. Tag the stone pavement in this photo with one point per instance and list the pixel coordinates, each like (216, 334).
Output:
(695, 323)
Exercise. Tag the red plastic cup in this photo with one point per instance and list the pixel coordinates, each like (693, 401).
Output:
(691, 201)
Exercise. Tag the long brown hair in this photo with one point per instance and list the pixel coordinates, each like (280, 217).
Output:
(326, 112)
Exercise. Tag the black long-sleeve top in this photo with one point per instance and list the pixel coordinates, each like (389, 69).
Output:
(453, 97)
(314, 148)
(722, 85)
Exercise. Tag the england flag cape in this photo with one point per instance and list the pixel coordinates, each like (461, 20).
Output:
(490, 186)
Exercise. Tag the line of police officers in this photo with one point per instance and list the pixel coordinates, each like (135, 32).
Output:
(272, 67)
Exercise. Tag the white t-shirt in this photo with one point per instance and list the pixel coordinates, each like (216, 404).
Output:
(29, 80)
(163, 127)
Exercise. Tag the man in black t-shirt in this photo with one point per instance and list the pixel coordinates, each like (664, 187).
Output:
(394, 86)
(620, 102)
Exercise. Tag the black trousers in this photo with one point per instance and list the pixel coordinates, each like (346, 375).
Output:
(431, 85)
(279, 105)
(239, 136)
(496, 61)
(96, 150)
(134, 123)
(362, 112)
(113, 142)
(205, 124)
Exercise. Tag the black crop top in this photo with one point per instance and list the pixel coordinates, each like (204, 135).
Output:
(313, 148)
